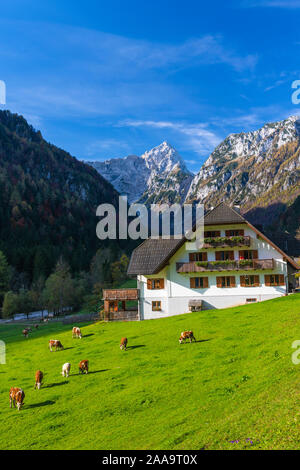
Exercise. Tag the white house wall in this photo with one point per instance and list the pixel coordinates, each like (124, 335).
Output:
(177, 291)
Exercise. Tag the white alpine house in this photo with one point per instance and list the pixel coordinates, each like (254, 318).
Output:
(236, 265)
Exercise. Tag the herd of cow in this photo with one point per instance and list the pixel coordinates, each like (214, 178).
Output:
(17, 395)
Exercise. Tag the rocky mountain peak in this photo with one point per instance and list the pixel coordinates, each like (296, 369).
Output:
(159, 174)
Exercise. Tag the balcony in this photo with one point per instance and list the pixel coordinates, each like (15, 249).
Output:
(120, 294)
(230, 265)
(224, 242)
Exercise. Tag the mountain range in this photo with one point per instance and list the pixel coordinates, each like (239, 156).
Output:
(259, 170)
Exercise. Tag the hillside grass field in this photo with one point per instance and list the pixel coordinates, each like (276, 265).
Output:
(235, 388)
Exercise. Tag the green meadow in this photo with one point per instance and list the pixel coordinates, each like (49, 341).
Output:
(236, 383)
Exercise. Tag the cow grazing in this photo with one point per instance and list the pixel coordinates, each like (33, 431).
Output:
(38, 379)
(76, 332)
(66, 369)
(186, 335)
(16, 395)
(36, 326)
(55, 343)
(25, 332)
(83, 366)
(123, 344)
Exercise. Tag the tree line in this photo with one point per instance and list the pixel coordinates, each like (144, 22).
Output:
(61, 289)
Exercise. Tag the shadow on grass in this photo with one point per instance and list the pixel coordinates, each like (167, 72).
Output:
(65, 349)
(89, 373)
(43, 403)
(56, 384)
(97, 371)
(136, 346)
(197, 341)
(90, 334)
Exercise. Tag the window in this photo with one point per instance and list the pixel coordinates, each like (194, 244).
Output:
(155, 284)
(249, 281)
(250, 301)
(199, 282)
(198, 256)
(234, 233)
(248, 254)
(225, 281)
(274, 280)
(156, 305)
(212, 234)
(224, 255)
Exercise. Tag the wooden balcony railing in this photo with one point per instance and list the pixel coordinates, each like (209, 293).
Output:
(224, 242)
(120, 294)
(234, 265)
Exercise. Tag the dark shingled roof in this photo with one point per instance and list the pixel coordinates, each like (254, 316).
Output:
(148, 257)
(153, 254)
(223, 214)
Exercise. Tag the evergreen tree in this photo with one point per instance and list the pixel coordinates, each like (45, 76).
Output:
(4, 276)
(10, 304)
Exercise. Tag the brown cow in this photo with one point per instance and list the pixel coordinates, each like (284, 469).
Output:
(76, 332)
(83, 366)
(56, 344)
(25, 332)
(123, 344)
(186, 335)
(38, 379)
(16, 395)
(36, 326)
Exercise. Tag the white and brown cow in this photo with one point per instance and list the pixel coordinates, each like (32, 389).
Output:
(38, 379)
(186, 335)
(76, 332)
(55, 343)
(25, 332)
(123, 344)
(83, 366)
(16, 395)
(66, 369)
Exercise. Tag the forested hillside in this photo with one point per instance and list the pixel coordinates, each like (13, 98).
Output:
(48, 203)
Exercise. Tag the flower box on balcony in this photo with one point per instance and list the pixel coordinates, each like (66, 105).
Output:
(214, 242)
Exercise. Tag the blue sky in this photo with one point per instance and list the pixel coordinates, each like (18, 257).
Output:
(105, 79)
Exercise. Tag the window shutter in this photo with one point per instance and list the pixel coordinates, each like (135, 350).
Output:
(231, 254)
(241, 254)
(281, 280)
(192, 257)
(219, 281)
(232, 281)
(161, 283)
(218, 233)
(192, 282)
(149, 283)
(227, 233)
(204, 256)
(205, 282)
(256, 280)
(242, 280)
(267, 280)
(241, 233)
(254, 254)
(218, 255)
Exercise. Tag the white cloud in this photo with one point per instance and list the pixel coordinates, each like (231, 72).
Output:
(197, 137)
(89, 72)
(290, 4)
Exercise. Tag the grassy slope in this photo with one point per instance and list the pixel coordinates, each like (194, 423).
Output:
(238, 382)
